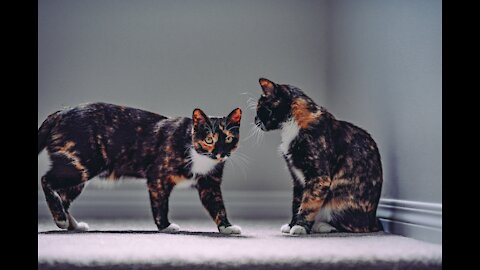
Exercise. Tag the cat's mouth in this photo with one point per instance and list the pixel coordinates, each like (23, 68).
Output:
(221, 157)
(218, 157)
(215, 157)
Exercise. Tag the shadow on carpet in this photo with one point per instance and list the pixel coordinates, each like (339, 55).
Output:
(204, 234)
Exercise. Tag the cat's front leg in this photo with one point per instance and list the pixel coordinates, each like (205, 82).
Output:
(211, 197)
(314, 195)
(297, 198)
(159, 191)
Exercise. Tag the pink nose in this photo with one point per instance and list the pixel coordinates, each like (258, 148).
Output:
(219, 157)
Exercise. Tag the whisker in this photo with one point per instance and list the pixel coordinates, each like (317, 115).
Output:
(242, 157)
(251, 133)
(259, 135)
(242, 154)
(235, 165)
(248, 93)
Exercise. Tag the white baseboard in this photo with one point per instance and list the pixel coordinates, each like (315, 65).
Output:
(418, 220)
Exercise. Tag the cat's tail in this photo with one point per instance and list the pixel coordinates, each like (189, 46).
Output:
(45, 129)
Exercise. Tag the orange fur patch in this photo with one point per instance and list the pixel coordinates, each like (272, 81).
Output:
(175, 179)
(325, 181)
(217, 219)
(302, 115)
(351, 203)
(340, 181)
(205, 146)
(236, 116)
(311, 204)
(75, 160)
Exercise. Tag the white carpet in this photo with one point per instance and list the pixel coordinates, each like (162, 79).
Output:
(135, 244)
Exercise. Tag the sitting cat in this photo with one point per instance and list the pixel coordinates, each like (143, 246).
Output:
(113, 141)
(335, 165)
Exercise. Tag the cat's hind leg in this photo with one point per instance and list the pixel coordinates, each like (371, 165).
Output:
(314, 197)
(323, 227)
(63, 175)
(322, 221)
(159, 191)
(68, 195)
(55, 204)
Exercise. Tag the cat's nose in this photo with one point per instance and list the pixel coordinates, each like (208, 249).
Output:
(220, 156)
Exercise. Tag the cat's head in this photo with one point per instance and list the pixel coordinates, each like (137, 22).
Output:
(274, 106)
(216, 137)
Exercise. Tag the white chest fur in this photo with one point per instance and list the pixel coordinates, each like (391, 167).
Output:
(201, 164)
(290, 130)
(299, 175)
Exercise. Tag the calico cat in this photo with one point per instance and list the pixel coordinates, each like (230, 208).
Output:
(111, 141)
(335, 165)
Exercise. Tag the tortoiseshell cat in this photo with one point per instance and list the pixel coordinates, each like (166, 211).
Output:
(335, 165)
(113, 141)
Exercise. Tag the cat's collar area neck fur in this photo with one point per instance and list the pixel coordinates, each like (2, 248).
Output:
(201, 164)
(290, 130)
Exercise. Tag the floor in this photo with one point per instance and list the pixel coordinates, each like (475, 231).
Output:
(135, 244)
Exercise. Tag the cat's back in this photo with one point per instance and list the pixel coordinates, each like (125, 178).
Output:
(349, 136)
(107, 113)
(103, 120)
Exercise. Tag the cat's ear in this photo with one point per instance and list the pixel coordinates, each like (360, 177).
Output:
(199, 117)
(235, 116)
(268, 86)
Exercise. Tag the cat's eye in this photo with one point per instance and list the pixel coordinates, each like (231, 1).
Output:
(209, 140)
(229, 139)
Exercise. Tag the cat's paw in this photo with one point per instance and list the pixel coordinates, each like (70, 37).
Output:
(62, 224)
(285, 228)
(81, 227)
(298, 230)
(322, 227)
(172, 228)
(234, 229)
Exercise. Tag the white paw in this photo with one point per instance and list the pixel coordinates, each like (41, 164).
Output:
(285, 228)
(298, 230)
(82, 226)
(62, 224)
(234, 229)
(171, 228)
(322, 227)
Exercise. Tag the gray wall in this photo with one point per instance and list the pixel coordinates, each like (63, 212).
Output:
(384, 74)
(172, 56)
(375, 63)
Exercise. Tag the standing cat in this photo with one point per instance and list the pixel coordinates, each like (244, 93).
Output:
(335, 165)
(114, 141)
